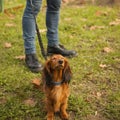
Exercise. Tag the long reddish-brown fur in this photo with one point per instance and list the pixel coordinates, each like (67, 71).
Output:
(56, 77)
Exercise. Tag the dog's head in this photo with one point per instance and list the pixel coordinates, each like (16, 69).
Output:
(57, 63)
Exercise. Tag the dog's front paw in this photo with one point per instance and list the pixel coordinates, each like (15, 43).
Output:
(64, 116)
(50, 116)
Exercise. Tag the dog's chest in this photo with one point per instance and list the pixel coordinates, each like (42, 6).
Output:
(60, 92)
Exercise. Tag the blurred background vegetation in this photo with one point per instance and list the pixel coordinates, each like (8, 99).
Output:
(17, 3)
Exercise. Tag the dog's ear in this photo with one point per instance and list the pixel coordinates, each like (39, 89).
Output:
(47, 73)
(67, 74)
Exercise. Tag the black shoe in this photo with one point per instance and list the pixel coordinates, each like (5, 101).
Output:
(33, 63)
(59, 49)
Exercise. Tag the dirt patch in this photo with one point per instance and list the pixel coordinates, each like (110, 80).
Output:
(3, 101)
(95, 117)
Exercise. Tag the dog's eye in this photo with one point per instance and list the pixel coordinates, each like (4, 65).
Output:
(53, 59)
(62, 59)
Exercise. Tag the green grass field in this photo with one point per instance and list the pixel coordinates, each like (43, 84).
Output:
(94, 32)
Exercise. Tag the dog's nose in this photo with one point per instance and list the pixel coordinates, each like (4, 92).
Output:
(60, 61)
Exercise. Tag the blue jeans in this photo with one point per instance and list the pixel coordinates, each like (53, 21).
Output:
(28, 23)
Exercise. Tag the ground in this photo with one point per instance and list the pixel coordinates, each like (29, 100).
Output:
(94, 32)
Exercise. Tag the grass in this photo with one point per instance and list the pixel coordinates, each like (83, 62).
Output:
(95, 87)
(9, 3)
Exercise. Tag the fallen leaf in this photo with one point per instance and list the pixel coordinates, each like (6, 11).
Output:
(117, 59)
(42, 30)
(96, 113)
(7, 45)
(67, 19)
(114, 23)
(117, 20)
(100, 27)
(11, 16)
(65, 1)
(96, 27)
(107, 49)
(97, 94)
(99, 13)
(93, 28)
(103, 65)
(10, 25)
(21, 57)
(36, 82)
(30, 102)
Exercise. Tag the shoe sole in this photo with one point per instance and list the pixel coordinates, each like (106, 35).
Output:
(35, 70)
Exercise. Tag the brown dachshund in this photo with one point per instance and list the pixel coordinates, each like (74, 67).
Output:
(56, 78)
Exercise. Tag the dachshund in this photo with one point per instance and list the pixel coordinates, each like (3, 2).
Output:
(56, 77)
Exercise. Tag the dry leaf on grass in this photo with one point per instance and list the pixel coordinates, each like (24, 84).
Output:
(7, 45)
(96, 112)
(103, 65)
(67, 19)
(117, 59)
(21, 57)
(107, 49)
(10, 25)
(114, 23)
(11, 16)
(36, 82)
(96, 27)
(65, 1)
(97, 94)
(42, 30)
(30, 102)
(99, 13)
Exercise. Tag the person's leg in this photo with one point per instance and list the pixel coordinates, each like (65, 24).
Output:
(29, 33)
(52, 21)
(28, 25)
